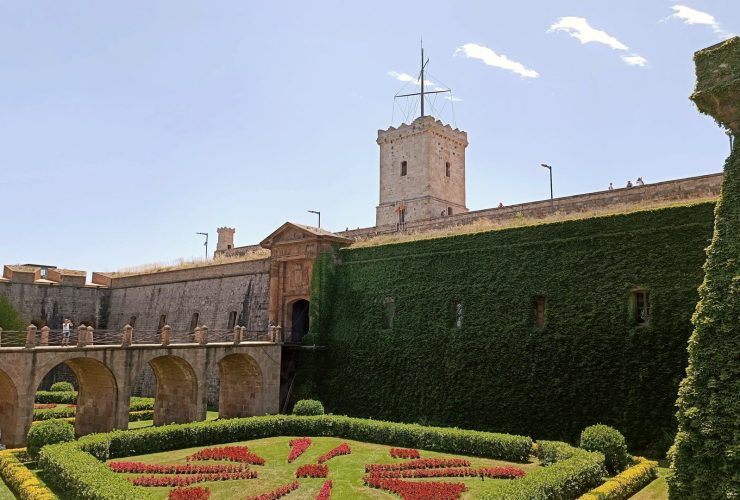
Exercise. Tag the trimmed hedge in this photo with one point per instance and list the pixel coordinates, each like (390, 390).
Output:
(571, 473)
(627, 483)
(47, 397)
(73, 466)
(52, 413)
(308, 407)
(608, 441)
(138, 403)
(20, 479)
(49, 432)
(136, 416)
(590, 361)
(61, 387)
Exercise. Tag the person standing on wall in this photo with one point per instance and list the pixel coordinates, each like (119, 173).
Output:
(66, 329)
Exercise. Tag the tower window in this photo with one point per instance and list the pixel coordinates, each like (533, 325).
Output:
(389, 312)
(162, 322)
(447, 168)
(641, 306)
(232, 320)
(449, 210)
(539, 310)
(228, 247)
(194, 321)
(404, 168)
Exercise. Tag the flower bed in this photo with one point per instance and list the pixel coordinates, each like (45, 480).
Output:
(409, 490)
(189, 479)
(142, 468)
(342, 449)
(231, 453)
(325, 491)
(404, 453)
(312, 470)
(489, 472)
(297, 447)
(194, 493)
(422, 463)
(278, 492)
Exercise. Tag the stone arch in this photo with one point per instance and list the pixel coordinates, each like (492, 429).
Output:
(96, 396)
(297, 320)
(240, 392)
(177, 390)
(8, 410)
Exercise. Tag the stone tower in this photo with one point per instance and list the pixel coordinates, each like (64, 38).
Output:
(422, 172)
(225, 238)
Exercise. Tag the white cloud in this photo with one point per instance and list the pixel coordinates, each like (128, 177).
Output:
(693, 16)
(579, 28)
(491, 58)
(635, 60)
(405, 78)
(453, 98)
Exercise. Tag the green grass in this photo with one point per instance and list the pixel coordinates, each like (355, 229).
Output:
(5, 493)
(211, 415)
(346, 471)
(657, 490)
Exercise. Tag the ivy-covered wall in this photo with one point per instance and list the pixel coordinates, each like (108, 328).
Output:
(590, 362)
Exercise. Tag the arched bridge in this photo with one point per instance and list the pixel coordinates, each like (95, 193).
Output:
(249, 382)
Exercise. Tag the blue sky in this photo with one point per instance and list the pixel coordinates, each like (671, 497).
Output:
(127, 127)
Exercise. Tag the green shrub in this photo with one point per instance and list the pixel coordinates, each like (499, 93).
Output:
(52, 413)
(136, 416)
(138, 403)
(626, 484)
(62, 387)
(49, 432)
(549, 452)
(308, 407)
(608, 441)
(46, 397)
(9, 317)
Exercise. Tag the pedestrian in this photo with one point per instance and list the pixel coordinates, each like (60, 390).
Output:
(611, 188)
(66, 328)
(501, 205)
(629, 184)
(639, 182)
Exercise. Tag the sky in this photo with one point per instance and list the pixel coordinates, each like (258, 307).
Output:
(128, 127)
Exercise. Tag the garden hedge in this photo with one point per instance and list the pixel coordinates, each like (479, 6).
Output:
(20, 479)
(626, 484)
(62, 387)
(48, 397)
(589, 362)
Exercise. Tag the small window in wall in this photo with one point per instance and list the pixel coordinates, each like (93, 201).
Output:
(228, 247)
(232, 320)
(404, 168)
(641, 306)
(447, 168)
(162, 322)
(539, 310)
(457, 314)
(389, 312)
(449, 210)
(194, 321)
(132, 321)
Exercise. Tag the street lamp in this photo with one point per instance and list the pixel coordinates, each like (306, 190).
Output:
(732, 138)
(317, 213)
(552, 201)
(206, 243)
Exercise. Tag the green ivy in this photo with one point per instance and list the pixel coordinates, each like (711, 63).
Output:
(590, 362)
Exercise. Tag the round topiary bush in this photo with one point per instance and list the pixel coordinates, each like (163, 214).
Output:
(49, 432)
(61, 387)
(608, 441)
(307, 407)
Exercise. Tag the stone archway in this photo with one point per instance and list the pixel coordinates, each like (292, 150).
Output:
(96, 398)
(240, 394)
(177, 389)
(8, 409)
(299, 320)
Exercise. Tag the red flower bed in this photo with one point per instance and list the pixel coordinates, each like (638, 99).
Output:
(325, 491)
(189, 479)
(278, 492)
(422, 463)
(194, 493)
(489, 472)
(342, 449)
(142, 468)
(231, 453)
(404, 453)
(297, 447)
(409, 490)
(312, 470)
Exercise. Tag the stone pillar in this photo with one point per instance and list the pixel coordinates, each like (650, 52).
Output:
(274, 307)
(45, 336)
(243, 333)
(89, 340)
(81, 336)
(201, 335)
(166, 333)
(196, 335)
(30, 336)
(128, 336)
(237, 335)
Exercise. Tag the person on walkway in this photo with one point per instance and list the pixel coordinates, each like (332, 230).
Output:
(629, 184)
(639, 182)
(66, 329)
(611, 187)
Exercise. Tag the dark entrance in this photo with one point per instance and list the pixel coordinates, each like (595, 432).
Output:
(299, 317)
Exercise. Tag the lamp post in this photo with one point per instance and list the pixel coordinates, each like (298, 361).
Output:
(552, 201)
(732, 138)
(206, 243)
(317, 213)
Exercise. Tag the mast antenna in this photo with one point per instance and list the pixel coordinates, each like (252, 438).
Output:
(423, 92)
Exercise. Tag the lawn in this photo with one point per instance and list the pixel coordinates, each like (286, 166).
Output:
(5, 493)
(346, 471)
(657, 490)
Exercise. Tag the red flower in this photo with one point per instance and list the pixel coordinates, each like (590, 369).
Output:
(325, 491)
(342, 449)
(231, 453)
(489, 472)
(142, 468)
(409, 490)
(422, 463)
(312, 470)
(194, 493)
(404, 453)
(189, 479)
(278, 492)
(297, 447)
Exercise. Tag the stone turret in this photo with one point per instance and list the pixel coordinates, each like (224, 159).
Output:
(225, 238)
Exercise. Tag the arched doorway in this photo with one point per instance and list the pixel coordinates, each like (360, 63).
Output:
(240, 393)
(299, 320)
(8, 410)
(177, 389)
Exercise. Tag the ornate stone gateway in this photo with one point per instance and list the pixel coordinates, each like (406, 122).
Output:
(294, 249)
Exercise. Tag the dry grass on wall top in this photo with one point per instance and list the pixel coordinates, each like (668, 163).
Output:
(259, 254)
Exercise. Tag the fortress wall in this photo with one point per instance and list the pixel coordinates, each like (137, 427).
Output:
(52, 303)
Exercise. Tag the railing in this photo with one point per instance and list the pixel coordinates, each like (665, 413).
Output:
(87, 336)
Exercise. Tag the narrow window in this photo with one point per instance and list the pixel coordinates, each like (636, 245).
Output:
(162, 322)
(404, 166)
(641, 306)
(389, 312)
(539, 310)
(228, 247)
(194, 321)
(457, 314)
(132, 321)
(447, 169)
(449, 210)
(232, 320)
